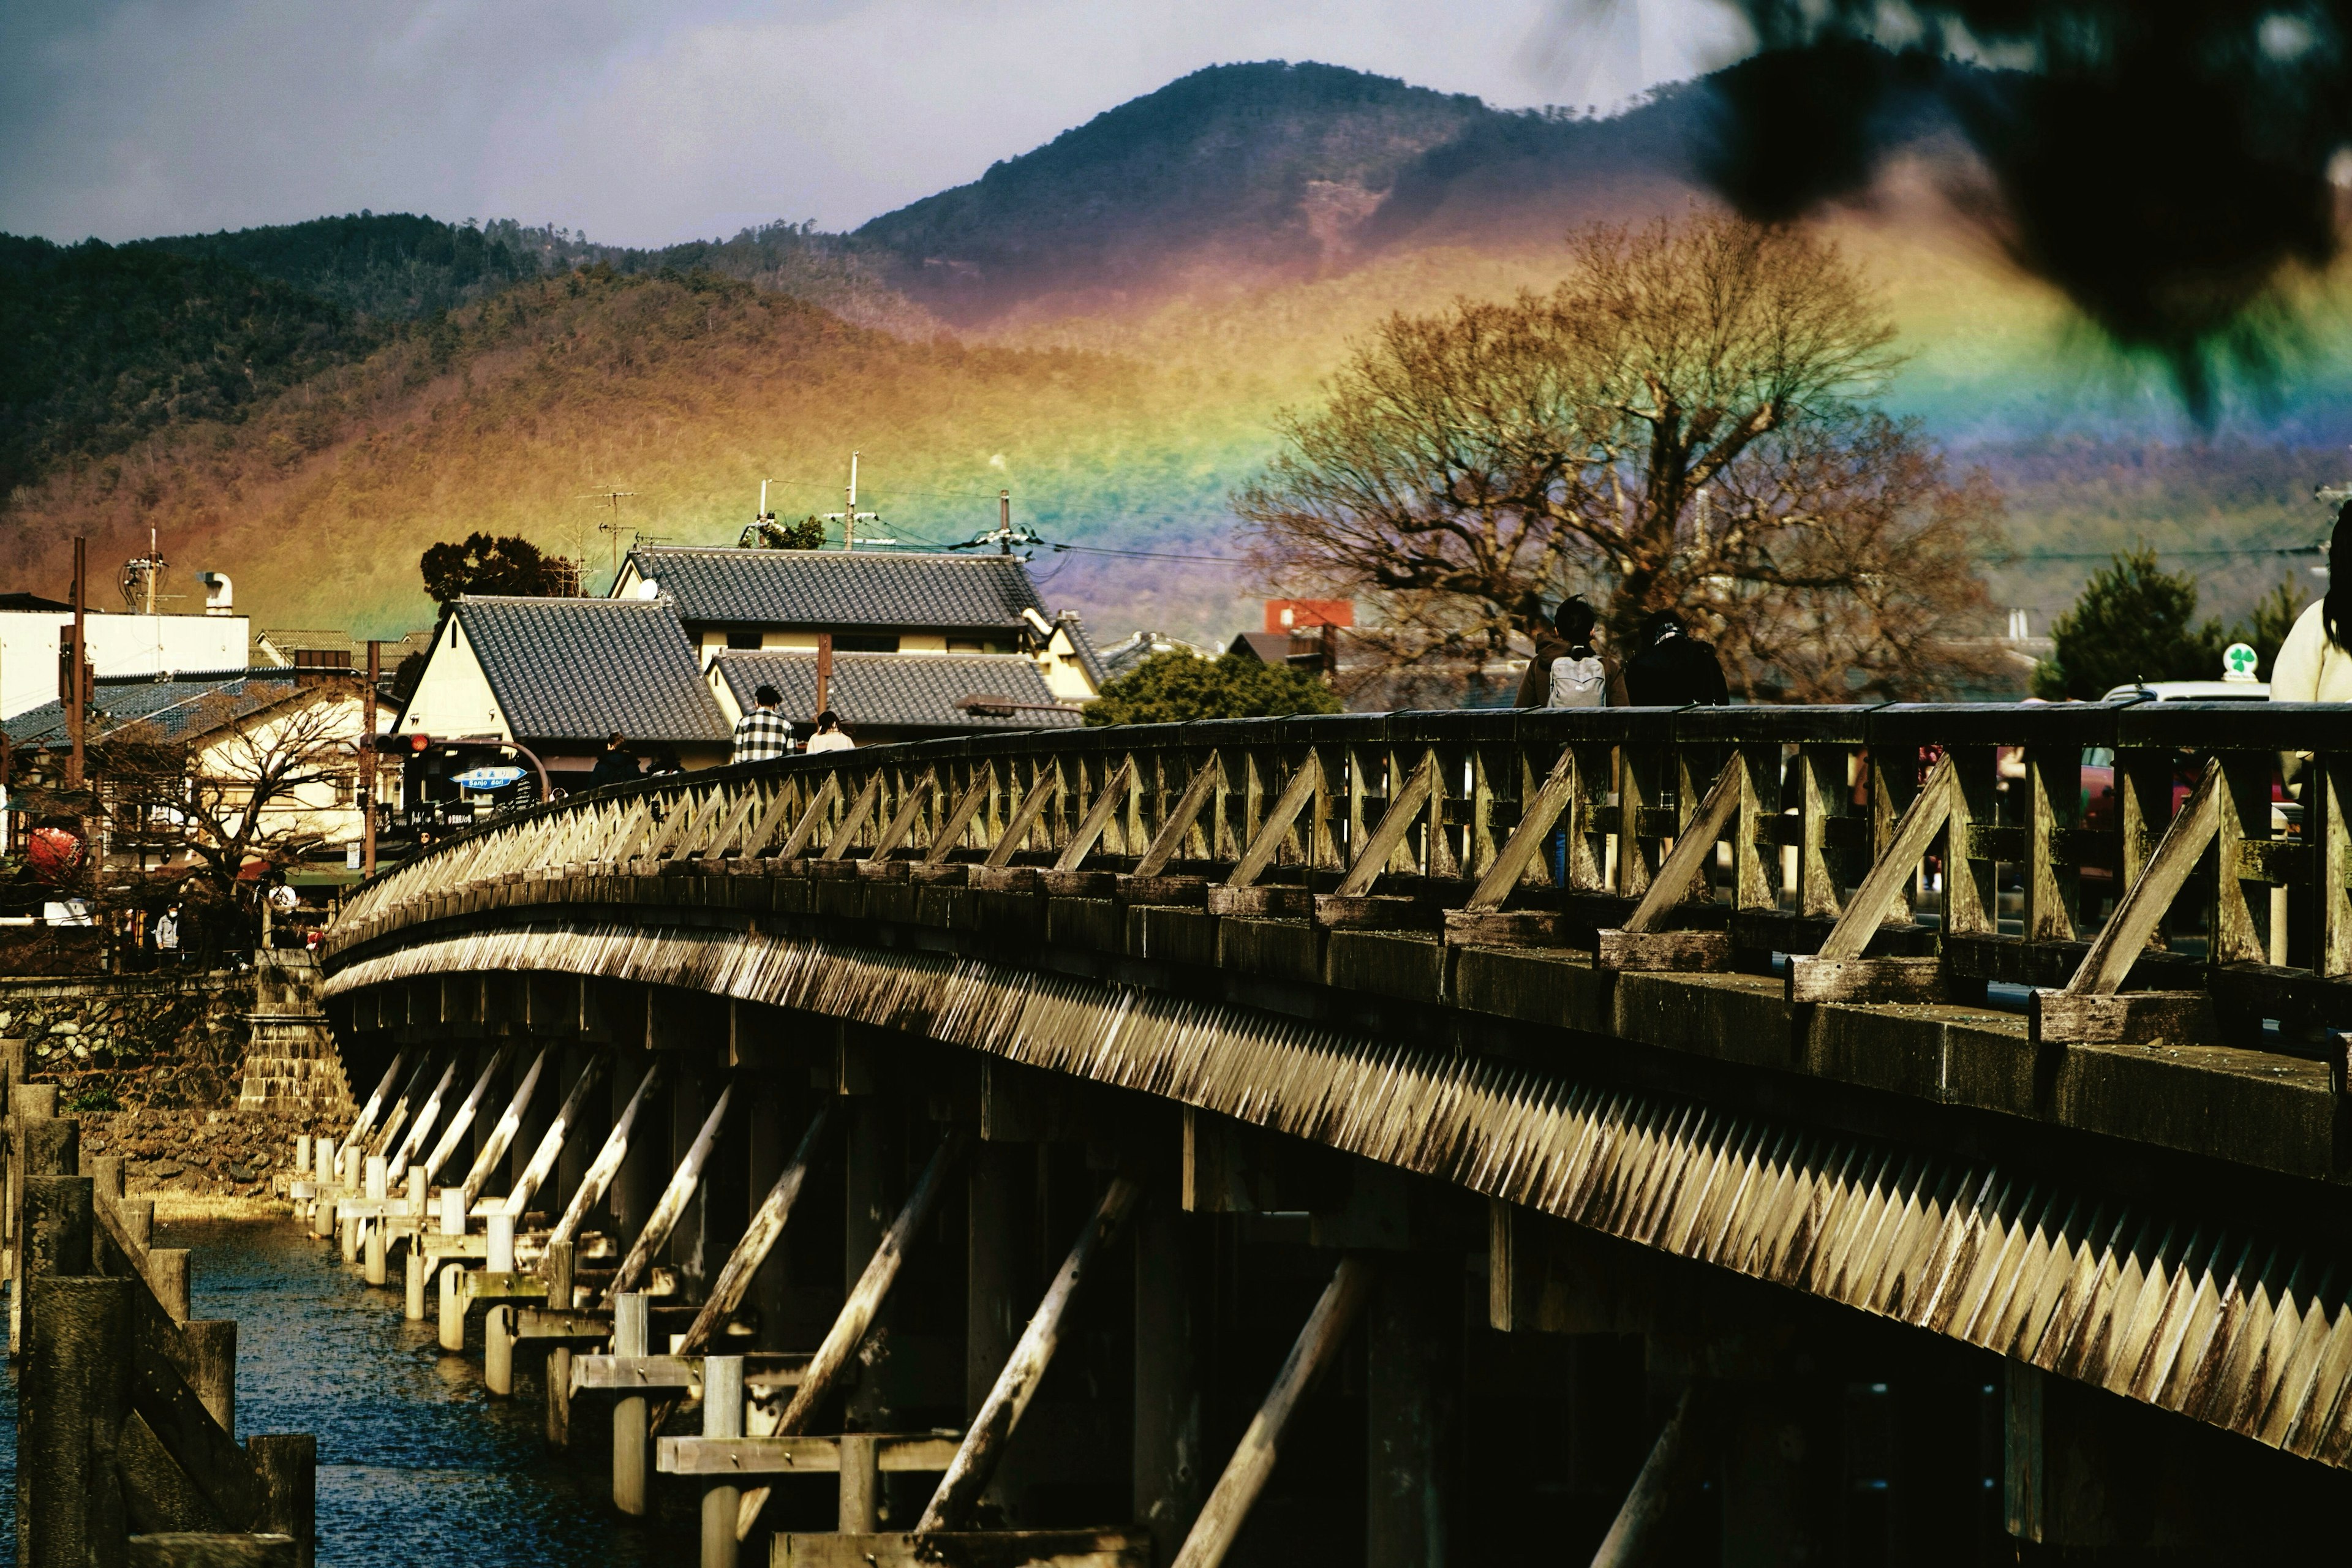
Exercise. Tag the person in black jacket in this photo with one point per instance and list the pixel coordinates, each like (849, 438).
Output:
(614, 764)
(1673, 669)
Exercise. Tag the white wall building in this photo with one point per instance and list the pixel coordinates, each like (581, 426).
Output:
(119, 645)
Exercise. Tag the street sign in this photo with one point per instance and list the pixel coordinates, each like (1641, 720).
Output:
(2238, 661)
(488, 778)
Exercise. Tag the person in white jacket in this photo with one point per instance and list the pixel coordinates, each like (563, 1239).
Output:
(2314, 664)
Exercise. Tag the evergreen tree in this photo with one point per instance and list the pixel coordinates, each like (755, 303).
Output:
(1173, 687)
(2134, 622)
(482, 565)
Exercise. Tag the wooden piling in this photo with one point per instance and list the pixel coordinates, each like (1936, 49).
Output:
(722, 1416)
(1227, 1510)
(452, 1317)
(632, 1450)
(609, 1160)
(74, 1396)
(1171, 1315)
(411, 1303)
(210, 1366)
(1412, 1367)
(759, 1238)
(497, 1349)
(861, 1485)
(287, 1465)
(992, 1430)
(556, 1269)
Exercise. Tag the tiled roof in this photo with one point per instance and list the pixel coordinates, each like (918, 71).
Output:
(578, 669)
(1098, 673)
(898, 690)
(822, 588)
(176, 707)
(1127, 654)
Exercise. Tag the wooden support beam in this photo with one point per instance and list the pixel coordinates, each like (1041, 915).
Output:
(1025, 817)
(608, 1162)
(682, 1184)
(1221, 1516)
(1098, 817)
(797, 841)
(426, 1115)
(923, 1452)
(1528, 837)
(558, 1132)
(463, 1121)
(992, 1430)
(1639, 944)
(959, 819)
(494, 1148)
(365, 1122)
(854, 819)
(1173, 1310)
(902, 821)
(1171, 837)
(865, 1298)
(1674, 1465)
(1384, 841)
(1267, 843)
(760, 1238)
(1837, 971)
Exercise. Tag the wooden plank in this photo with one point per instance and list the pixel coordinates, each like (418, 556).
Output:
(484, 1285)
(1384, 840)
(1171, 837)
(1693, 851)
(927, 1452)
(1098, 817)
(2131, 1017)
(856, 1315)
(759, 1238)
(552, 1323)
(1670, 952)
(1505, 928)
(1119, 1547)
(1867, 980)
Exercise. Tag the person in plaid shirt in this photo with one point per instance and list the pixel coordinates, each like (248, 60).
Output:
(763, 732)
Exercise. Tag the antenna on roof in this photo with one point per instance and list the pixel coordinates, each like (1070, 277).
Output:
(853, 516)
(612, 497)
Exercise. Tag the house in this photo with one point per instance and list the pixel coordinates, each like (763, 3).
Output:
(182, 758)
(313, 648)
(893, 697)
(559, 675)
(134, 646)
(1126, 656)
(866, 602)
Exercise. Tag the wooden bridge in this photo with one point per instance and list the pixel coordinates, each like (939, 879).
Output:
(1862, 1135)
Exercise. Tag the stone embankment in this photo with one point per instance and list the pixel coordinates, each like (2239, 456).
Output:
(200, 1082)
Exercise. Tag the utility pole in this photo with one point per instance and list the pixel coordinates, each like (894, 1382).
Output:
(849, 518)
(77, 692)
(1004, 523)
(369, 776)
(823, 668)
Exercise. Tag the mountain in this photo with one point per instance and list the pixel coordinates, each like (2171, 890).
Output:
(1266, 171)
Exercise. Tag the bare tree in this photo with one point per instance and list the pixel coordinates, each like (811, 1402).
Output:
(1682, 423)
(234, 780)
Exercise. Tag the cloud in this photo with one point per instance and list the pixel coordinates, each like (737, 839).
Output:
(646, 125)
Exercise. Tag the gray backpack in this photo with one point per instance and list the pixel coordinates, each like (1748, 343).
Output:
(1578, 682)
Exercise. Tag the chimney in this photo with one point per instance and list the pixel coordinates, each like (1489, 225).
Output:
(219, 593)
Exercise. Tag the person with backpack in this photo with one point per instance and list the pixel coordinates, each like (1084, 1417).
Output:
(1588, 681)
(1673, 668)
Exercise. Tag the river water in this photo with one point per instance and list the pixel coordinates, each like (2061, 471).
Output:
(416, 1461)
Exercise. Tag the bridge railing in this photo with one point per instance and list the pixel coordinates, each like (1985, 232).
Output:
(2174, 869)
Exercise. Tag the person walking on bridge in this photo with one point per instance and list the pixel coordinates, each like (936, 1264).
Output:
(762, 735)
(2314, 663)
(828, 736)
(1673, 668)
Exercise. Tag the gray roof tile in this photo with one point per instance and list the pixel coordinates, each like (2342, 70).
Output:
(176, 707)
(898, 690)
(821, 588)
(578, 669)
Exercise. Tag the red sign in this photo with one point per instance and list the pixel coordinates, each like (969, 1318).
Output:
(1300, 615)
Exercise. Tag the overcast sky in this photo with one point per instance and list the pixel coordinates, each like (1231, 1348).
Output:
(645, 123)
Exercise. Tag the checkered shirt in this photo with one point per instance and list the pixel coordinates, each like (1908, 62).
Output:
(761, 735)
